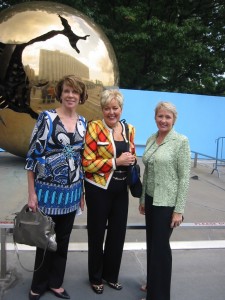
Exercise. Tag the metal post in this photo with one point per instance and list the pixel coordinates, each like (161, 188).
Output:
(217, 153)
(3, 253)
(195, 160)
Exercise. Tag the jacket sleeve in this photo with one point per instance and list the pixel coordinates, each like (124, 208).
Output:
(39, 139)
(144, 180)
(183, 169)
(92, 161)
(131, 139)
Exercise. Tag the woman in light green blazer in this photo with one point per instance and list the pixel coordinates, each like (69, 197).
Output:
(167, 162)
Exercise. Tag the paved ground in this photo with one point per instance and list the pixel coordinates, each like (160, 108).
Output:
(197, 274)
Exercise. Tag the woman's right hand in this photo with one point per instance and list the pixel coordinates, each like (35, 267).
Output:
(33, 202)
(125, 159)
(32, 196)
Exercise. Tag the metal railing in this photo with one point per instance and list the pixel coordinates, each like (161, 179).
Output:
(216, 164)
(219, 154)
(8, 226)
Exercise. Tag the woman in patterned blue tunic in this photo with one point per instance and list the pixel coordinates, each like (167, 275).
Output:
(55, 179)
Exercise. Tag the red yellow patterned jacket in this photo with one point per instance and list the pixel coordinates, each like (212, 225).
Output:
(100, 152)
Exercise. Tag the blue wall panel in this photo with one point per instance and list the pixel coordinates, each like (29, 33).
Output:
(200, 118)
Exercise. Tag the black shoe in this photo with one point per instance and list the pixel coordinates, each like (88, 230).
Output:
(98, 289)
(143, 288)
(116, 286)
(34, 297)
(62, 295)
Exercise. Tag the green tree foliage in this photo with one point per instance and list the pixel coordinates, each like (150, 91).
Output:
(163, 45)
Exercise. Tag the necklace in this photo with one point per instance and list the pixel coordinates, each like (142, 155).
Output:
(115, 128)
(117, 132)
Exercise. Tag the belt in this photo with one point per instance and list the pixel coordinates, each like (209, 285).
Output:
(118, 178)
(120, 173)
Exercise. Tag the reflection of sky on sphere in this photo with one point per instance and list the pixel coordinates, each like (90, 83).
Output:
(95, 51)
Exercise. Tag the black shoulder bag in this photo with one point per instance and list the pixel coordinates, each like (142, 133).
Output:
(133, 173)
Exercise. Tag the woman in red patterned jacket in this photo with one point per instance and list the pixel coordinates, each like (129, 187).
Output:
(106, 158)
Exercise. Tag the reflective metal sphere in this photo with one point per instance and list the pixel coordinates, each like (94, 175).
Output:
(40, 42)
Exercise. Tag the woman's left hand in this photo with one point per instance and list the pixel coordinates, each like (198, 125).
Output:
(177, 219)
(142, 209)
(82, 202)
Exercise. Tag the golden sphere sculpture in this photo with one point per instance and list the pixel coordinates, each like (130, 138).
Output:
(39, 43)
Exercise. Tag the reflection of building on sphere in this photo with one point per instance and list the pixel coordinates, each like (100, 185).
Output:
(54, 64)
(58, 41)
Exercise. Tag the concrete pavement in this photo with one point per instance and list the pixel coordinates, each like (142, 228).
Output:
(197, 274)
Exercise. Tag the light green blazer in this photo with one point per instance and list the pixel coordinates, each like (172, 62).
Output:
(167, 171)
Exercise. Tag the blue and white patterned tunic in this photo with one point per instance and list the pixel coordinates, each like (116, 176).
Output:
(55, 157)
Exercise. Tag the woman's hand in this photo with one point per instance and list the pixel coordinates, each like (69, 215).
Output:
(32, 196)
(33, 202)
(177, 219)
(82, 202)
(125, 159)
(142, 209)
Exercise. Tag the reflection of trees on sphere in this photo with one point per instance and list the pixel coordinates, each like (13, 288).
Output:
(44, 44)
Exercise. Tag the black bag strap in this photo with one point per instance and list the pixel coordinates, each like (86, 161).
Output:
(127, 134)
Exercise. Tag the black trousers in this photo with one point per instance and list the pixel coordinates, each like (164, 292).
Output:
(106, 207)
(159, 255)
(51, 273)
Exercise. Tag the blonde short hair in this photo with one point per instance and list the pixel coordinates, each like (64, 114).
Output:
(108, 95)
(167, 106)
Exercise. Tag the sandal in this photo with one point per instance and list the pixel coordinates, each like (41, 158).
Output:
(116, 286)
(98, 289)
